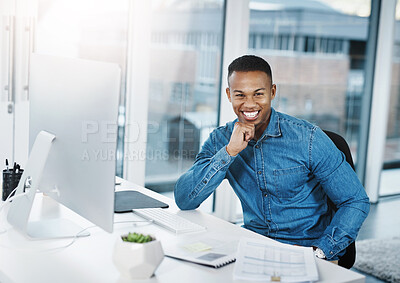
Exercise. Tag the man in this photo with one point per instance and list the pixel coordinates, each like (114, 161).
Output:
(283, 169)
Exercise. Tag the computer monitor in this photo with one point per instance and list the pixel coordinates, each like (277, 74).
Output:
(73, 117)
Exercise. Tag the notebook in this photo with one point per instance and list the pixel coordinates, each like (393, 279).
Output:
(206, 248)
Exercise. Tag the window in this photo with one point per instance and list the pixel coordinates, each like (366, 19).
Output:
(94, 30)
(317, 60)
(391, 167)
(186, 44)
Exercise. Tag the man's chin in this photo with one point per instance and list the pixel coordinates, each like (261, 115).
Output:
(249, 122)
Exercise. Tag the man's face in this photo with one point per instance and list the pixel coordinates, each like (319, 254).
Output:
(251, 94)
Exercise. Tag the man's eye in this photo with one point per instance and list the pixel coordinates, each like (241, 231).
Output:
(259, 93)
(239, 95)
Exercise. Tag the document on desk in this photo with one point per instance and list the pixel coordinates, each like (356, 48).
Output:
(208, 248)
(262, 261)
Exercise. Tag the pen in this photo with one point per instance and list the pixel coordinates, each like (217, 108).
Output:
(6, 164)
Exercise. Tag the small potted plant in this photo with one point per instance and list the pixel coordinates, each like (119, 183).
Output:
(137, 256)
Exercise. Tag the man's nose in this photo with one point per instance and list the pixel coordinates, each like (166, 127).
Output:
(250, 102)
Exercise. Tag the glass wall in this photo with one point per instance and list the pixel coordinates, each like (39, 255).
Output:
(90, 29)
(186, 44)
(390, 182)
(317, 53)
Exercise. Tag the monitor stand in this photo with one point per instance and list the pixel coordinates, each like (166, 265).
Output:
(20, 207)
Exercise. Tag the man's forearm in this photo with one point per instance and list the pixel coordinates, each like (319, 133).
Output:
(344, 228)
(185, 191)
(197, 184)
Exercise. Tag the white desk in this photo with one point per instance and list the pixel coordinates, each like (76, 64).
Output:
(90, 259)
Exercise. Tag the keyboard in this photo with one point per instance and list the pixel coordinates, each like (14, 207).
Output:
(168, 220)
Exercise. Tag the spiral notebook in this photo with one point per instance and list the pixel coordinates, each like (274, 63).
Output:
(209, 249)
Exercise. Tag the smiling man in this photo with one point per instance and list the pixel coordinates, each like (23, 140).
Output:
(251, 97)
(283, 169)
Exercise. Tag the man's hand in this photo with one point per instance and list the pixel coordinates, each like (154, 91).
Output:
(241, 135)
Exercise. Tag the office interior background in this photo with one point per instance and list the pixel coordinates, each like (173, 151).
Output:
(336, 63)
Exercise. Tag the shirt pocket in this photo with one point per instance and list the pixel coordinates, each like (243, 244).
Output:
(290, 181)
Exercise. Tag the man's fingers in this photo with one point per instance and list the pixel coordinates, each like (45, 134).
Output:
(242, 134)
(250, 132)
(247, 131)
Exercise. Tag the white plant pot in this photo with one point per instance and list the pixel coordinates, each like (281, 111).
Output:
(137, 261)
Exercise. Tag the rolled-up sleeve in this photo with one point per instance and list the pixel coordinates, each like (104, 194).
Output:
(200, 181)
(343, 187)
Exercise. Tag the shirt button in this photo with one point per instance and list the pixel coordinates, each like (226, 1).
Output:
(205, 181)
(265, 194)
(259, 172)
(223, 162)
(257, 146)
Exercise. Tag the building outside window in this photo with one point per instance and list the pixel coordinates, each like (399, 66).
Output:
(317, 55)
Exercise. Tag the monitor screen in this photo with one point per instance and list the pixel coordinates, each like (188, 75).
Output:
(77, 101)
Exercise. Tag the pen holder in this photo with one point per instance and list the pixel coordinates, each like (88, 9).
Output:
(10, 181)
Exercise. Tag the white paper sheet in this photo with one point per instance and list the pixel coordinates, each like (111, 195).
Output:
(263, 260)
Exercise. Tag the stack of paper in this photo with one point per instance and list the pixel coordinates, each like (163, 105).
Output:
(271, 261)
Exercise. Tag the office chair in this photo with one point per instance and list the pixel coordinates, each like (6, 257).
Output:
(347, 260)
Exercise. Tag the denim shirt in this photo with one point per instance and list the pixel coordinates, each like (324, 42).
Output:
(283, 180)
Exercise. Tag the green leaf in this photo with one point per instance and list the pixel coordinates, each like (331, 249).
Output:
(137, 238)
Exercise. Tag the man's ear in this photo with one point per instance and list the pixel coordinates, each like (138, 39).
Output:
(228, 93)
(273, 91)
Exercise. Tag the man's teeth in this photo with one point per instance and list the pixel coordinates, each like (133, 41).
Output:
(251, 114)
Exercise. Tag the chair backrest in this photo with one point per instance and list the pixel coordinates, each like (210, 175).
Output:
(348, 259)
(342, 145)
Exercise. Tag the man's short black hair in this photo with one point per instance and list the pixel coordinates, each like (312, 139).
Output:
(248, 63)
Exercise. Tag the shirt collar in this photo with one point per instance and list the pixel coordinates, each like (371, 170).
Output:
(273, 129)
